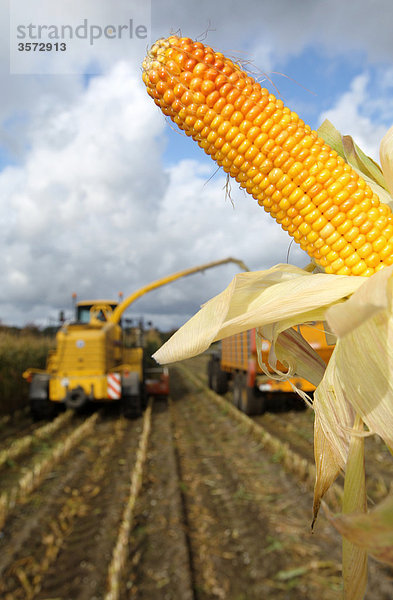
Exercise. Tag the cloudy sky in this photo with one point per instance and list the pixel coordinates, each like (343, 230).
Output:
(99, 194)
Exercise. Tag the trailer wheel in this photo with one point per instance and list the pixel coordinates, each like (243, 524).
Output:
(218, 379)
(132, 406)
(248, 400)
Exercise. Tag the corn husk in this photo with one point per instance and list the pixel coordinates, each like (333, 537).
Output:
(274, 300)
(386, 157)
(354, 395)
(356, 382)
(364, 354)
(334, 418)
(356, 379)
(372, 531)
(354, 501)
(291, 349)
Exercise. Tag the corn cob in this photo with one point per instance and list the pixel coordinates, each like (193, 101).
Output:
(303, 183)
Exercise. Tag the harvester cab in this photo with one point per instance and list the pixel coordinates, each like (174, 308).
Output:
(91, 312)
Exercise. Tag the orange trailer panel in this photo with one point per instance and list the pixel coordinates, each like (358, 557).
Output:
(238, 352)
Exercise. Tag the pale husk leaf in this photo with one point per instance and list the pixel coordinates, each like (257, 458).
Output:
(363, 163)
(364, 353)
(326, 463)
(334, 418)
(292, 350)
(284, 294)
(386, 158)
(372, 531)
(355, 501)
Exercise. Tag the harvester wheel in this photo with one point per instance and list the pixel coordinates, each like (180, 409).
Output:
(132, 406)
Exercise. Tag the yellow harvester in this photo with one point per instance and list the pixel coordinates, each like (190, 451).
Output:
(93, 360)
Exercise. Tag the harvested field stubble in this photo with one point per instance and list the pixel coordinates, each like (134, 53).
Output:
(215, 512)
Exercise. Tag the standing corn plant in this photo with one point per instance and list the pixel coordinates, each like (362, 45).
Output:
(334, 202)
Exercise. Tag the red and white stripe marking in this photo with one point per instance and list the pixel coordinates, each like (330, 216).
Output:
(114, 386)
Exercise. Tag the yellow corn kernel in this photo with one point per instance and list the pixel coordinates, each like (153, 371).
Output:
(365, 250)
(359, 268)
(379, 244)
(327, 231)
(344, 271)
(324, 251)
(352, 260)
(346, 251)
(333, 238)
(310, 212)
(337, 264)
(339, 244)
(387, 251)
(310, 190)
(312, 237)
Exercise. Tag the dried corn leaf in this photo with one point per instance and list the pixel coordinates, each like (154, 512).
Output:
(354, 557)
(372, 531)
(284, 295)
(386, 157)
(334, 417)
(292, 350)
(364, 354)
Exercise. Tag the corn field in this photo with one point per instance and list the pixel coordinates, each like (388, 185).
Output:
(17, 352)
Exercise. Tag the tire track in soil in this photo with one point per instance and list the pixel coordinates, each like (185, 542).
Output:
(59, 544)
(296, 427)
(249, 520)
(16, 428)
(40, 448)
(379, 465)
(159, 561)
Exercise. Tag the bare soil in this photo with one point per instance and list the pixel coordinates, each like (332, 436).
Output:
(246, 521)
(217, 517)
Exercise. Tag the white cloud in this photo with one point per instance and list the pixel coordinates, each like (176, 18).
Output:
(354, 113)
(286, 26)
(90, 207)
(93, 211)
(92, 182)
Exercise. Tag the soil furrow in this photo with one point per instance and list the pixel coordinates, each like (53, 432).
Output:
(249, 516)
(297, 428)
(235, 491)
(218, 515)
(75, 529)
(158, 563)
